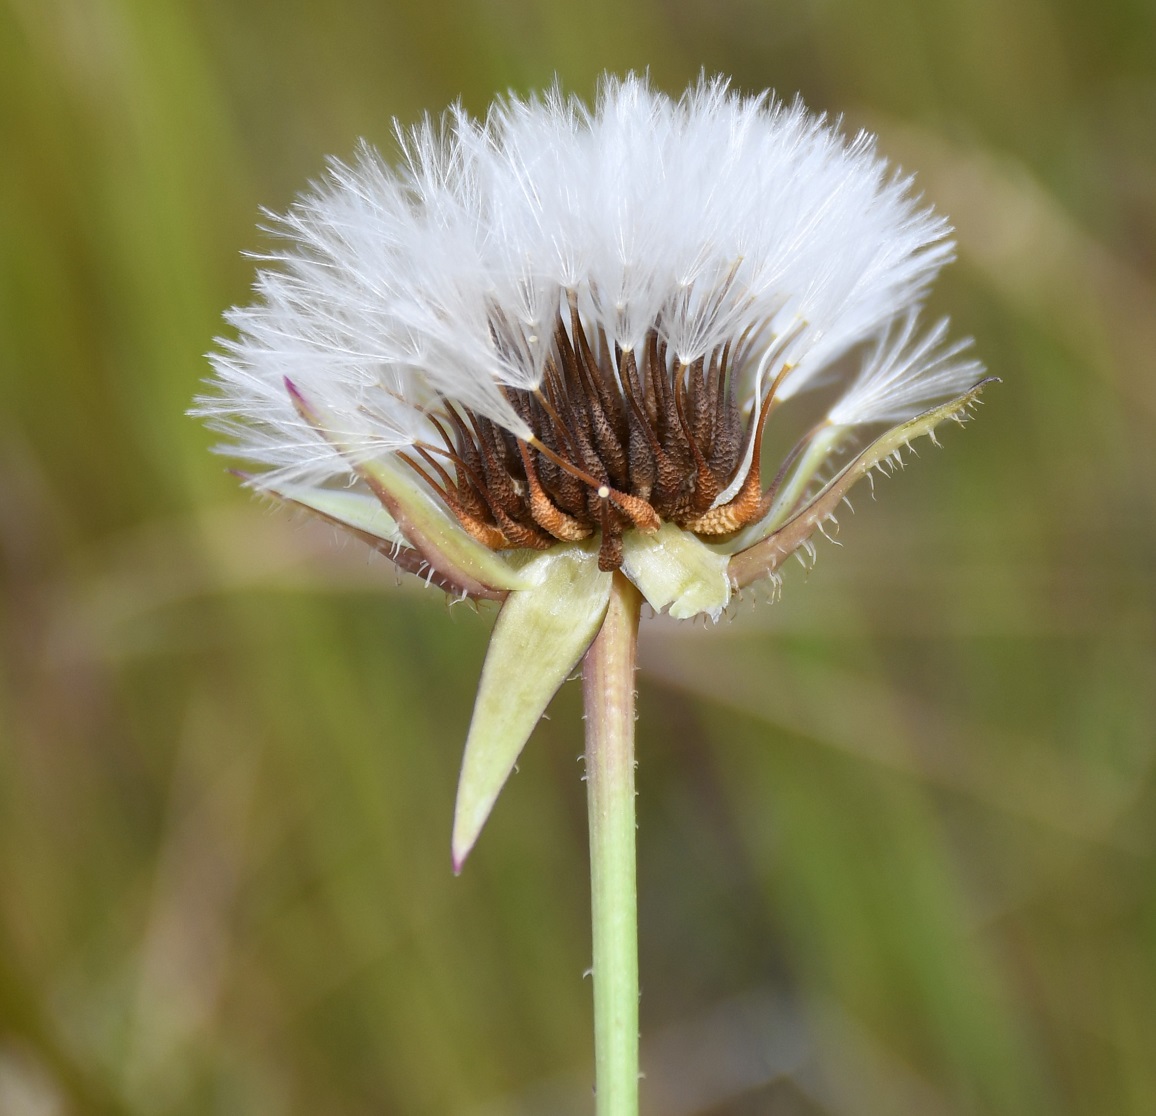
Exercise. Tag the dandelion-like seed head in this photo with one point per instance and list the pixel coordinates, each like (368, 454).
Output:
(542, 353)
(574, 323)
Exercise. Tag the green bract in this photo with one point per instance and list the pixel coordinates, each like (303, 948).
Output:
(540, 635)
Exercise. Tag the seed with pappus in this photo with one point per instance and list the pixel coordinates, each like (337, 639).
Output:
(542, 351)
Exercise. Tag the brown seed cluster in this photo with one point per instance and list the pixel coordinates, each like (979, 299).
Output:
(621, 439)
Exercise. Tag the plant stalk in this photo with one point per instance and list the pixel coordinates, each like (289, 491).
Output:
(608, 695)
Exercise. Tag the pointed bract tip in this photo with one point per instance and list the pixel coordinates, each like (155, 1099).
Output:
(475, 801)
(460, 849)
(300, 403)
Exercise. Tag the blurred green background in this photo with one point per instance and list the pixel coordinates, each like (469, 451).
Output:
(897, 842)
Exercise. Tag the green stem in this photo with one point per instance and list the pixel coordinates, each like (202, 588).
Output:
(608, 693)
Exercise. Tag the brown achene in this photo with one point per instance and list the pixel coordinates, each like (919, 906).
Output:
(620, 440)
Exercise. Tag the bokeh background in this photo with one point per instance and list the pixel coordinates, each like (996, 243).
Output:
(897, 835)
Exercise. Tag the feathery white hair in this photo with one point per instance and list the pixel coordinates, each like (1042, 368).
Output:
(711, 218)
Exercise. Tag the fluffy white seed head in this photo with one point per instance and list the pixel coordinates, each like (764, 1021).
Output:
(712, 218)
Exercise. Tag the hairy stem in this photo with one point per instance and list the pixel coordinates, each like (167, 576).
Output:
(608, 692)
